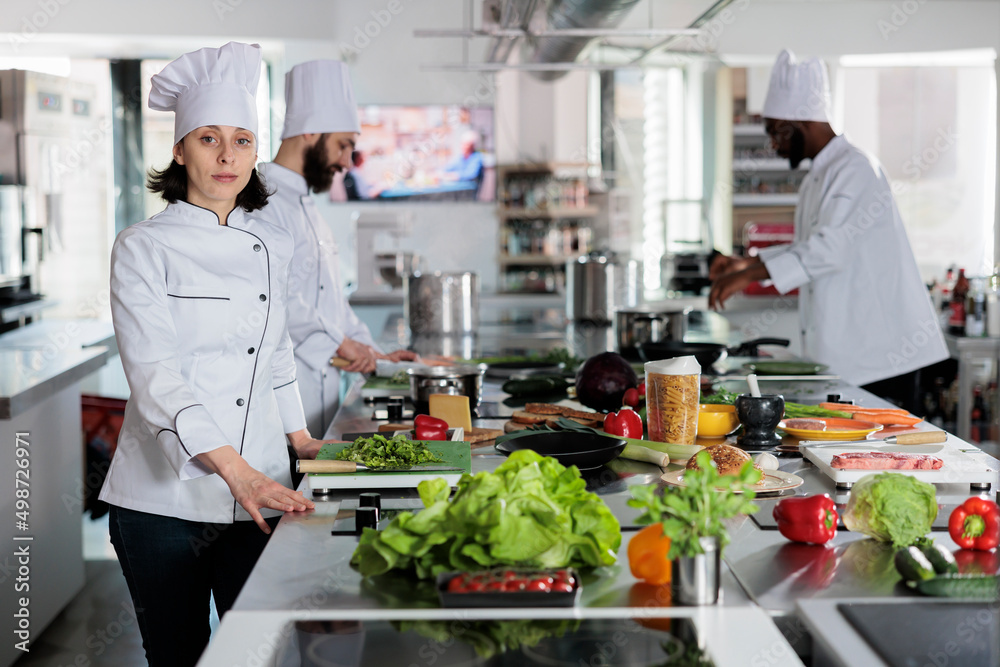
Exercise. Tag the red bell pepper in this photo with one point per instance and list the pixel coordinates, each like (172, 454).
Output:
(975, 524)
(626, 422)
(430, 428)
(810, 519)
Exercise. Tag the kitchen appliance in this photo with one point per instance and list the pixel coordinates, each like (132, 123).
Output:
(599, 283)
(646, 324)
(686, 271)
(382, 269)
(51, 166)
(454, 380)
(442, 303)
(12, 200)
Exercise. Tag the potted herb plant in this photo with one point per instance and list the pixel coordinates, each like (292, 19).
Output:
(692, 516)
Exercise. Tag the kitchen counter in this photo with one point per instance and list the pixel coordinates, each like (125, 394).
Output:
(41, 367)
(304, 572)
(41, 359)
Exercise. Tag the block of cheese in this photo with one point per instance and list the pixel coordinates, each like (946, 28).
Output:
(453, 409)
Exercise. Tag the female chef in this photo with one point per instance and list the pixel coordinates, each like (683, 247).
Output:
(201, 475)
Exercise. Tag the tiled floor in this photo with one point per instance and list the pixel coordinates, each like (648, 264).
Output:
(98, 627)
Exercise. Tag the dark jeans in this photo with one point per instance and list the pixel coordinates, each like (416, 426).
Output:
(172, 566)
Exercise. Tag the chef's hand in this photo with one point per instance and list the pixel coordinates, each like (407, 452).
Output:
(361, 357)
(252, 489)
(306, 446)
(401, 355)
(730, 283)
(723, 264)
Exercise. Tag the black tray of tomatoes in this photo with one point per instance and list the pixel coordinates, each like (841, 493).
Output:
(509, 587)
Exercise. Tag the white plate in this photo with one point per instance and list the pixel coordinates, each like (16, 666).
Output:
(774, 480)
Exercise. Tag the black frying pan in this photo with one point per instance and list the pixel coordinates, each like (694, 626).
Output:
(570, 448)
(706, 353)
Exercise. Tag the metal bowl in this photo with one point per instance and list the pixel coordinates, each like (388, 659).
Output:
(583, 450)
(454, 380)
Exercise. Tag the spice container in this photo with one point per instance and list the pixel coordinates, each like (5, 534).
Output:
(672, 396)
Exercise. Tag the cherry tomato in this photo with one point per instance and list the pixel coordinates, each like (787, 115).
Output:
(631, 397)
(562, 587)
(543, 585)
(494, 586)
(642, 390)
(457, 584)
(514, 585)
(473, 587)
(508, 575)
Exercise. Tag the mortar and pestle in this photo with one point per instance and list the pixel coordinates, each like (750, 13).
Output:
(759, 415)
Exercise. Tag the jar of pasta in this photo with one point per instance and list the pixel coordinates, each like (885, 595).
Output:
(672, 394)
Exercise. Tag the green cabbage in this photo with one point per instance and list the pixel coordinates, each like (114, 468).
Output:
(891, 508)
(531, 511)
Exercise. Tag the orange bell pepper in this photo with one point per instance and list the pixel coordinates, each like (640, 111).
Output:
(647, 555)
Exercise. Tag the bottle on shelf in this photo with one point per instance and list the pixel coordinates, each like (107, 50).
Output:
(944, 306)
(975, 310)
(956, 318)
(992, 412)
(992, 305)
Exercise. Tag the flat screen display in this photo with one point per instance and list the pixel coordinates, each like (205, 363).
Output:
(421, 153)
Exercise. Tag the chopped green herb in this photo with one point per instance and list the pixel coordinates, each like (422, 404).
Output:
(381, 452)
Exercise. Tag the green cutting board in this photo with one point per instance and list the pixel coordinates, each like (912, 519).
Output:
(457, 454)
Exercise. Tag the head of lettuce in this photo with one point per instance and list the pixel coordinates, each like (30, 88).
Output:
(530, 512)
(891, 507)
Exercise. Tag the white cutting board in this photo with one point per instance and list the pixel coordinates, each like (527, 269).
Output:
(959, 467)
(383, 480)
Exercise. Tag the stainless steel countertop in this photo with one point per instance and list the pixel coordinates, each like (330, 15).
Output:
(43, 358)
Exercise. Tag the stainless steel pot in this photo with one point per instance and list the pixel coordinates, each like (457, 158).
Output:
(454, 380)
(597, 284)
(640, 325)
(442, 303)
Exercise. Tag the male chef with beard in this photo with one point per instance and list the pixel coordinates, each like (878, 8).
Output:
(320, 131)
(863, 307)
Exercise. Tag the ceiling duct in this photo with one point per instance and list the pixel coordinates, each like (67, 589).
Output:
(574, 15)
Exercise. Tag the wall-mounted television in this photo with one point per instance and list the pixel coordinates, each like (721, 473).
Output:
(425, 153)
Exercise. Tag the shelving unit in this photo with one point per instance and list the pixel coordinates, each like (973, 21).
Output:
(546, 220)
(765, 189)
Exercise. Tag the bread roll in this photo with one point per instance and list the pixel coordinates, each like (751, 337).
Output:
(727, 459)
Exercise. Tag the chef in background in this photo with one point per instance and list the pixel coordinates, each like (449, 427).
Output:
(321, 128)
(200, 476)
(863, 307)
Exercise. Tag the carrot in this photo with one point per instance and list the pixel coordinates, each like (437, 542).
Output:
(847, 407)
(886, 419)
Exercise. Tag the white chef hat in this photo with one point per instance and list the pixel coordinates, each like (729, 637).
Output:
(210, 87)
(318, 99)
(798, 90)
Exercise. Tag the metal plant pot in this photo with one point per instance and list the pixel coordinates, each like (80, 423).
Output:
(695, 579)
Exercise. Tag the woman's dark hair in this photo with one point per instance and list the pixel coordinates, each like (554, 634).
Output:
(171, 184)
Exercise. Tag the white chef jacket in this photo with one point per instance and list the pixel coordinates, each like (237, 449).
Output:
(863, 307)
(199, 316)
(319, 316)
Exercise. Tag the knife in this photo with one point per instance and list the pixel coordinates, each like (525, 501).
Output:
(330, 466)
(919, 438)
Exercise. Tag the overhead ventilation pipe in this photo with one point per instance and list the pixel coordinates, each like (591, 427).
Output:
(570, 15)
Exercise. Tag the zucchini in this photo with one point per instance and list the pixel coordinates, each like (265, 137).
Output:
(975, 586)
(535, 386)
(940, 558)
(913, 565)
